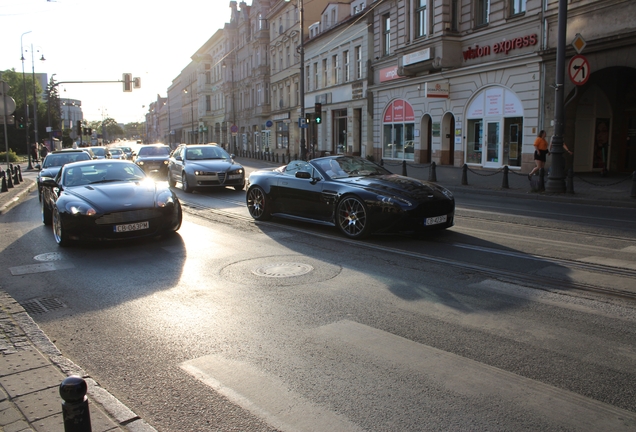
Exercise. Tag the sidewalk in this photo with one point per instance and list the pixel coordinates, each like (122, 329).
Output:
(32, 368)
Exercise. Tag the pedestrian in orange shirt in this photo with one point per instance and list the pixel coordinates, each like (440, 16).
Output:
(540, 152)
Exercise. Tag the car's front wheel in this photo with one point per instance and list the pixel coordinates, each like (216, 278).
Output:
(58, 229)
(257, 204)
(184, 183)
(352, 217)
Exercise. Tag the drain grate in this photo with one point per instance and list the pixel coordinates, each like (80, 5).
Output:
(42, 305)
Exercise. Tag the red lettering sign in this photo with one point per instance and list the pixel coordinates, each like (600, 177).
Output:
(500, 47)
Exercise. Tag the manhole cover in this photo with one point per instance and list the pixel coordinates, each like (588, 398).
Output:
(49, 256)
(281, 270)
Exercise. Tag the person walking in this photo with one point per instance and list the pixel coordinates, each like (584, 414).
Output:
(34, 153)
(43, 151)
(540, 153)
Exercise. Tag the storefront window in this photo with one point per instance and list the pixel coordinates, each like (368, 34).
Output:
(282, 135)
(399, 131)
(474, 141)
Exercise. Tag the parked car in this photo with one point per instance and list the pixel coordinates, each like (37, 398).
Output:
(204, 166)
(107, 200)
(355, 195)
(127, 151)
(153, 159)
(54, 161)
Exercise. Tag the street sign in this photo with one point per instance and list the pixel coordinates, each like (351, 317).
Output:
(579, 43)
(579, 70)
(234, 129)
(10, 105)
(302, 122)
(269, 123)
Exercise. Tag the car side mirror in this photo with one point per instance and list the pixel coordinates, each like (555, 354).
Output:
(177, 157)
(49, 182)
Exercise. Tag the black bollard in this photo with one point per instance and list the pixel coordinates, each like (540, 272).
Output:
(569, 181)
(20, 173)
(541, 180)
(432, 175)
(381, 162)
(75, 412)
(465, 175)
(16, 179)
(4, 182)
(633, 194)
(9, 177)
(504, 182)
(404, 168)
(276, 157)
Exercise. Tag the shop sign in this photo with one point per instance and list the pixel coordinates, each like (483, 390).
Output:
(437, 90)
(389, 74)
(399, 111)
(416, 57)
(500, 47)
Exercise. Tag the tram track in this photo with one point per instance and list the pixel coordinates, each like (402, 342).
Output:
(529, 280)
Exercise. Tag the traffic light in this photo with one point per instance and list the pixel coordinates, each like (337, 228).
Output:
(127, 79)
(79, 127)
(90, 131)
(20, 124)
(318, 112)
(137, 82)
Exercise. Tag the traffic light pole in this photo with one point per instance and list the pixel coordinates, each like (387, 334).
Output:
(303, 141)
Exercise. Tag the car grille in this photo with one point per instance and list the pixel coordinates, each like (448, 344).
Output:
(128, 216)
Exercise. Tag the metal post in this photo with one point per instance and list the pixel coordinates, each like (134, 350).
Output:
(432, 174)
(26, 105)
(35, 101)
(404, 168)
(303, 141)
(556, 179)
(465, 175)
(75, 411)
(504, 182)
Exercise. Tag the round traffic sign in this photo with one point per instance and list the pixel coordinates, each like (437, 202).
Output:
(269, 123)
(234, 129)
(7, 105)
(579, 70)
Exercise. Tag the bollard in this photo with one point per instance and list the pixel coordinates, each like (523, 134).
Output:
(277, 158)
(381, 162)
(4, 182)
(569, 181)
(75, 412)
(465, 175)
(542, 180)
(432, 175)
(20, 173)
(504, 182)
(9, 179)
(633, 194)
(404, 168)
(16, 179)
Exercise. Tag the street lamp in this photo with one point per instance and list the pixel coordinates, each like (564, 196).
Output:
(233, 110)
(35, 100)
(48, 110)
(301, 51)
(26, 105)
(191, 112)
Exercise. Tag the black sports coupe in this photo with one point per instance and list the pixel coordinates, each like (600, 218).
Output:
(354, 194)
(54, 161)
(107, 200)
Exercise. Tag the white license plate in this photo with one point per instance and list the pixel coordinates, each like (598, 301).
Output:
(435, 220)
(132, 227)
(234, 176)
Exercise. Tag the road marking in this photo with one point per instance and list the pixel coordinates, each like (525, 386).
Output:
(610, 262)
(629, 249)
(40, 268)
(474, 379)
(265, 396)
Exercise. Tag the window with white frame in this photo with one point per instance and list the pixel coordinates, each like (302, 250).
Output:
(359, 62)
(325, 72)
(345, 62)
(386, 34)
(420, 18)
(335, 74)
(517, 6)
(316, 75)
(259, 94)
(308, 78)
(288, 56)
(482, 8)
(208, 103)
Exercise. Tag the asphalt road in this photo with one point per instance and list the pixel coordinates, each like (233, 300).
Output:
(518, 318)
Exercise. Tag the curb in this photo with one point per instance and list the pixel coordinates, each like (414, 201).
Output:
(17, 197)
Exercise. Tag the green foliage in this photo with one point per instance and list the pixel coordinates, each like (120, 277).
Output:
(12, 156)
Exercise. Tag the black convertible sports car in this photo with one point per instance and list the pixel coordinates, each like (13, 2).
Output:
(107, 200)
(356, 195)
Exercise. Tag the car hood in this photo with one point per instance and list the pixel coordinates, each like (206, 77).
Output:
(117, 196)
(212, 165)
(397, 185)
(49, 172)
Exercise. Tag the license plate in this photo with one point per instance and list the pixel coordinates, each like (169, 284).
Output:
(435, 220)
(132, 227)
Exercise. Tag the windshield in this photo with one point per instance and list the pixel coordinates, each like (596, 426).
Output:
(57, 160)
(202, 153)
(114, 152)
(98, 151)
(350, 167)
(154, 151)
(101, 173)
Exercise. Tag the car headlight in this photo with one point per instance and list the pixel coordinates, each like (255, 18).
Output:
(164, 199)
(238, 171)
(236, 174)
(165, 162)
(140, 163)
(393, 200)
(77, 207)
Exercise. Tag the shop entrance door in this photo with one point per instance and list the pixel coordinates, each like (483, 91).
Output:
(493, 146)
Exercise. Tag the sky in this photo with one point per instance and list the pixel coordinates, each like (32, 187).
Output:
(99, 40)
